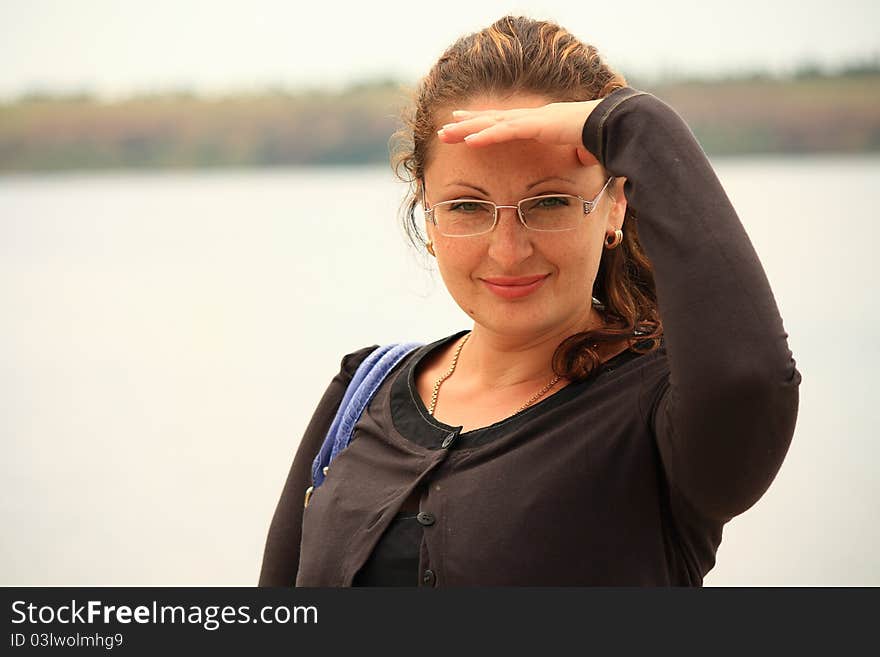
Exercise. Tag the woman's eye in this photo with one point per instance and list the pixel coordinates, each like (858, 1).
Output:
(467, 206)
(551, 202)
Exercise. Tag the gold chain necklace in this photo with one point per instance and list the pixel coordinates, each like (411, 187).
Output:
(543, 392)
(451, 369)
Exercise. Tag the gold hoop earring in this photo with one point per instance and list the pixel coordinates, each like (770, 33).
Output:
(613, 241)
(429, 245)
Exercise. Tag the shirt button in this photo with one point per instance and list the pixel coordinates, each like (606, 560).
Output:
(448, 440)
(426, 518)
(428, 578)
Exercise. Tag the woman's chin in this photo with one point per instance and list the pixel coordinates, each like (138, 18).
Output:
(526, 317)
(515, 322)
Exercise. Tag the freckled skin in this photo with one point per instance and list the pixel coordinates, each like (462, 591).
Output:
(505, 170)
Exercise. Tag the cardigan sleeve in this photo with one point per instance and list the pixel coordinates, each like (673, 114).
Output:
(281, 553)
(725, 417)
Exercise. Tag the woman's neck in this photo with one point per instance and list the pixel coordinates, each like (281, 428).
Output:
(493, 360)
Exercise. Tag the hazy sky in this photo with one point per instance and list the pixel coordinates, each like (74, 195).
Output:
(119, 46)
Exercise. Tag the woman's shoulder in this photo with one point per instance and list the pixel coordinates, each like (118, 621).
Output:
(388, 356)
(351, 361)
(383, 355)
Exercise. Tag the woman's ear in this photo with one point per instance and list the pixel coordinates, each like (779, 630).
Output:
(618, 208)
(419, 194)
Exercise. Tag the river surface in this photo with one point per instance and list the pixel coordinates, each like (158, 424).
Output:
(165, 337)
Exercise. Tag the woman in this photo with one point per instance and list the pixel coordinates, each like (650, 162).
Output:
(626, 387)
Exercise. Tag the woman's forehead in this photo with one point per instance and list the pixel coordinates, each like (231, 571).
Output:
(516, 163)
(526, 156)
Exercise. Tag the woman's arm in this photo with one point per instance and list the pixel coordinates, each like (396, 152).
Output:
(726, 418)
(281, 554)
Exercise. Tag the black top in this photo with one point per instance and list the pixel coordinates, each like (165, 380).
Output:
(626, 479)
(395, 559)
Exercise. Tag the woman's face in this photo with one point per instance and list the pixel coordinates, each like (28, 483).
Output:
(567, 260)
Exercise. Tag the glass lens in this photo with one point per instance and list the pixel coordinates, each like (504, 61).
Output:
(464, 217)
(558, 212)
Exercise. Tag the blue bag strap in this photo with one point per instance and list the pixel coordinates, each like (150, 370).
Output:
(363, 386)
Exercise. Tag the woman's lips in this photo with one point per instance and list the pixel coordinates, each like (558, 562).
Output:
(509, 287)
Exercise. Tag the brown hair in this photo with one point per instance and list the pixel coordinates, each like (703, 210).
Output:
(521, 55)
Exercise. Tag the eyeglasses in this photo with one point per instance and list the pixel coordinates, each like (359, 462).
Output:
(467, 217)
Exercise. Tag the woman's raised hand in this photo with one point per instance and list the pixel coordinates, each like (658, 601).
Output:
(557, 123)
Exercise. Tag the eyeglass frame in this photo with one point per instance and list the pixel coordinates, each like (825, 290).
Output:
(589, 206)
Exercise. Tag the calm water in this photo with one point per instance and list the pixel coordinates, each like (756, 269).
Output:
(165, 338)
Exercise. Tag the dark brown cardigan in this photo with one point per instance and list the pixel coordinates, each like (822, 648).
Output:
(626, 479)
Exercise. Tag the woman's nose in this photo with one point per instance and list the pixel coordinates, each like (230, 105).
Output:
(509, 242)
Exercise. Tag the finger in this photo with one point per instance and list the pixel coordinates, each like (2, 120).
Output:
(470, 121)
(455, 132)
(500, 132)
(527, 123)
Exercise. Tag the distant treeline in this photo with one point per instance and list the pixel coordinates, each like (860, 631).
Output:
(808, 112)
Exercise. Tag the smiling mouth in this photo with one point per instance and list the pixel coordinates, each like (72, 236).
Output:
(509, 287)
